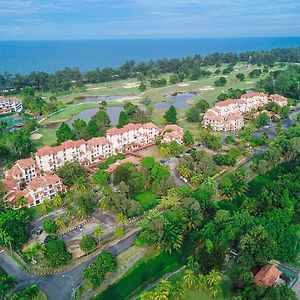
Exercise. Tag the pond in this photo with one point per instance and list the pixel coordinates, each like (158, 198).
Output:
(86, 114)
(179, 100)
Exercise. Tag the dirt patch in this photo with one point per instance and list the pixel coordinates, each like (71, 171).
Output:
(182, 84)
(94, 88)
(131, 85)
(207, 88)
(36, 136)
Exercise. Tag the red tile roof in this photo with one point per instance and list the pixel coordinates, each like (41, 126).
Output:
(25, 163)
(267, 276)
(43, 181)
(47, 150)
(129, 127)
(279, 98)
(228, 102)
(97, 141)
(252, 94)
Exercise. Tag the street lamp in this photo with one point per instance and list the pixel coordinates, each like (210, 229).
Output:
(73, 285)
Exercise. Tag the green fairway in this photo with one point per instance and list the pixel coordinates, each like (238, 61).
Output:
(148, 199)
(148, 269)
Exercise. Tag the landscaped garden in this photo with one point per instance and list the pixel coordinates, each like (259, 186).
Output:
(148, 199)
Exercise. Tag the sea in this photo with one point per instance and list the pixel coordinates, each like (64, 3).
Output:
(26, 56)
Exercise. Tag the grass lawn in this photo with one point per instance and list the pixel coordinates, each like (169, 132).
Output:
(194, 293)
(148, 199)
(148, 269)
(48, 137)
(36, 211)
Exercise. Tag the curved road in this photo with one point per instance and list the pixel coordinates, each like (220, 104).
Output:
(55, 286)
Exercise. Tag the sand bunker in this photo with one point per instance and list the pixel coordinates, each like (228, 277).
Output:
(94, 88)
(207, 88)
(182, 84)
(249, 82)
(36, 136)
(131, 85)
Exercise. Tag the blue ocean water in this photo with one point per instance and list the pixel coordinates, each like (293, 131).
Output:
(26, 56)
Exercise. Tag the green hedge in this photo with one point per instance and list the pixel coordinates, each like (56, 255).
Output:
(140, 275)
(105, 164)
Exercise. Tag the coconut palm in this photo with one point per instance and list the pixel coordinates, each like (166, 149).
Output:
(98, 231)
(213, 278)
(57, 201)
(121, 219)
(189, 278)
(172, 238)
(177, 291)
(196, 180)
(46, 205)
(70, 212)
(169, 201)
(59, 221)
(201, 282)
(147, 295)
(214, 290)
(165, 150)
(183, 171)
(21, 201)
(163, 290)
(103, 203)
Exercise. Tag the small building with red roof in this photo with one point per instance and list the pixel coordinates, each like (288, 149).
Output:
(267, 276)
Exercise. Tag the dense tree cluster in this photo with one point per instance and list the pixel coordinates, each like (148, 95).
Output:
(195, 111)
(96, 271)
(189, 67)
(231, 94)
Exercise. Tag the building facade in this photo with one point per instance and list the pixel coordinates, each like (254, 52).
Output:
(11, 104)
(227, 115)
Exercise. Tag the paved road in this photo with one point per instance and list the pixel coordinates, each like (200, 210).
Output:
(173, 163)
(55, 286)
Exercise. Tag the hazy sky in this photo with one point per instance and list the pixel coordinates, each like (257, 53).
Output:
(92, 19)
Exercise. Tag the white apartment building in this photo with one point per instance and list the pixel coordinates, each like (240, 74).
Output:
(99, 149)
(228, 115)
(23, 170)
(11, 104)
(172, 133)
(40, 188)
(279, 100)
(219, 122)
(51, 158)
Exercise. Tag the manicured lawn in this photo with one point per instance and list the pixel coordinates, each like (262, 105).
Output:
(36, 211)
(148, 269)
(194, 293)
(148, 199)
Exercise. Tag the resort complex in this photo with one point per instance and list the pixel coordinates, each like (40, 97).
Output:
(228, 115)
(10, 105)
(24, 179)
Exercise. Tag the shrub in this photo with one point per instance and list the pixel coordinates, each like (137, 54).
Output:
(49, 226)
(88, 243)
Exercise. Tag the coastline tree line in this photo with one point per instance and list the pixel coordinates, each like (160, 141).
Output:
(189, 67)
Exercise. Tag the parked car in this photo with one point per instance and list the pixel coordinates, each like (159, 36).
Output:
(178, 156)
(185, 180)
(80, 227)
(189, 151)
(162, 161)
(39, 231)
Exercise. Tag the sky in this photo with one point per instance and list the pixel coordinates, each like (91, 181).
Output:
(101, 19)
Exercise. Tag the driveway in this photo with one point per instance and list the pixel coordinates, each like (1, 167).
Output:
(173, 164)
(55, 286)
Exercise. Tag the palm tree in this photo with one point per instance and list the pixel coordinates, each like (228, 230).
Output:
(169, 201)
(57, 201)
(46, 205)
(103, 203)
(165, 151)
(183, 171)
(172, 238)
(201, 282)
(177, 291)
(214, 290)
(59, 221)
(21, 201)
(213, 278)
(189, 278)
(98, 231)
(163, 290)
(196, 180)
(70, 212)
(147, 295)
(121, 219)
